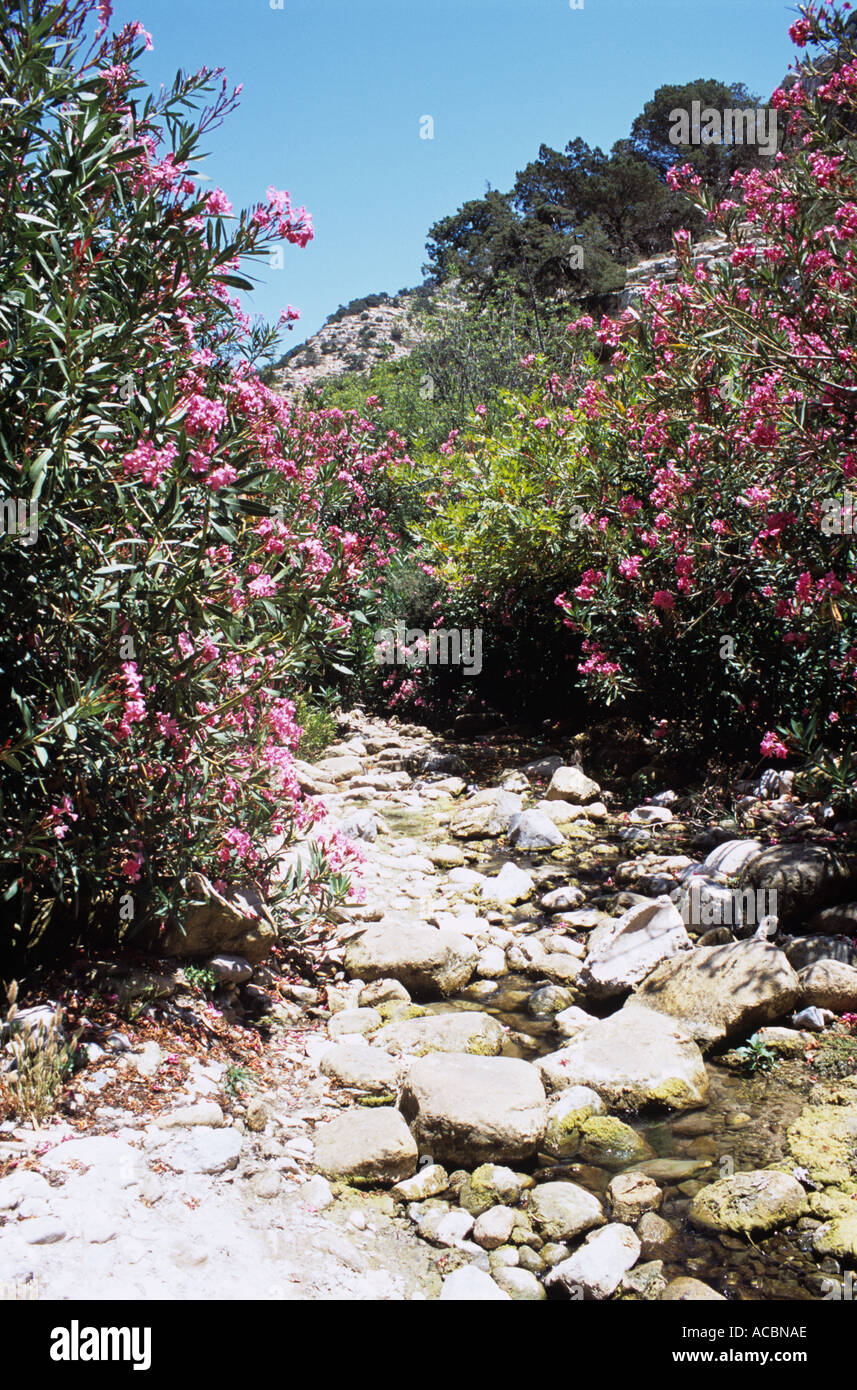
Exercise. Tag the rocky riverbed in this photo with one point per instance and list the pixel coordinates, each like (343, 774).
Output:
(512, 1070)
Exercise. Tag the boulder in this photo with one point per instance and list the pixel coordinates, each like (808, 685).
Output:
(829, 984)
(749, 1202)
(732, 857)
(346, 1022)
(512, 885)
(838, 1238)
(562, 1210)
(804, 877)
(233, 970)
(823, 1138)
(529, 957)
(597, 1268)
(533, 830)
(427, 959)
(521, 1285)
(468, 1031)
(374, 1144)
(494, 1227)
(485, 815)
(718, 992)
(430, 1181)
(491, 1185)
(360, 1068)
(622, 953)
(543, 768)
(611, 1143)
(656, 1234)
(338, 769)
(650, 815)
(572, 784)
(632, 1059)
(236, 922)
(563, 813)
(471, 1109)
(549, 1001)
(802, 951)
(379, 992)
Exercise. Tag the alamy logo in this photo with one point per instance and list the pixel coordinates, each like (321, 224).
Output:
(15, 522)
(76, 1343)
(402, 646)
(837, 518)
(732, 907)
(751, 126)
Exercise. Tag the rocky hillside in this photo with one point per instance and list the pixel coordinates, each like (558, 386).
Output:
(390, 329)
(352, 342)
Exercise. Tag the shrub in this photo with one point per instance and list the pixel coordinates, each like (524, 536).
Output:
(684, 497)
(201, 547)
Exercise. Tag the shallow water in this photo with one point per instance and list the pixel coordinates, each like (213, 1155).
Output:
(745, 1120)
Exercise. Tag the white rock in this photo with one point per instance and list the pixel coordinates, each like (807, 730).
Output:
(570, 784)
(598, 1266)
(622, 953)
(512, 885)
(471, 1285)
(187, 1116)
(316, 1194)
(205, 1151)
(494, 1227)
(562, 899)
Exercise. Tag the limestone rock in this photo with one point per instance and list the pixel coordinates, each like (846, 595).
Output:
(469, 1031)
(718, 992)
(533, 830)
(421, 958)
(485, 815)
(347, 1022)
(631, 1195)
(471, 1285)
(632, 1059)
(361, 1068)
(804, 877)
(829, 984)
(236, 922)
(687, 1290)
(597, 1268)
(748, 1202)
(571, 784)
(468, 1109)
(622, 953)
(562, 1210)
(375, 1144)
(512, 885)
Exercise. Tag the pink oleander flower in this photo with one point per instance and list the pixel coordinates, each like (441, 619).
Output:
(772, 747)
(664, 599)
(217, 204)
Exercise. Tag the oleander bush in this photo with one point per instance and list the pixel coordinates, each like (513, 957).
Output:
(686, 512)
(183, 555)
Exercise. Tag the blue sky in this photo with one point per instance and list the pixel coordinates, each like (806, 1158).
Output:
(334, 91)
